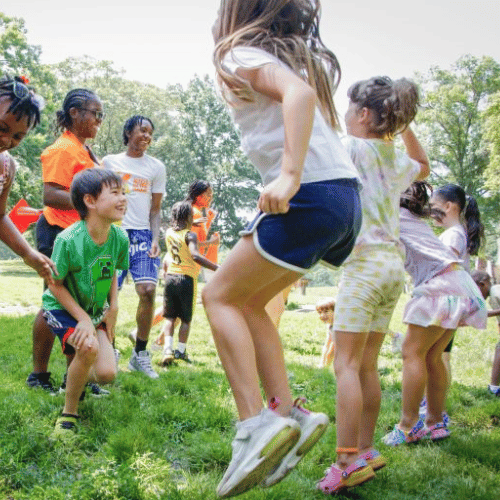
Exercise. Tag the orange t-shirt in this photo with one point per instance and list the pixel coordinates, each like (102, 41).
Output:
(61, 161)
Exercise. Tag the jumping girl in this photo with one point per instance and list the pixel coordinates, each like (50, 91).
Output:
(277, 78)
(373, 277)
(444, 297)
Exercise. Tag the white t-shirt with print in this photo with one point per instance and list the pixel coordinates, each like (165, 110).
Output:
(456, 239)
(385, 173)
(141, 178)
(263, 131)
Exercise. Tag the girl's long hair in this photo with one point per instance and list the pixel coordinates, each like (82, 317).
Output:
(416, 199)
(287, 29)
(470, 210)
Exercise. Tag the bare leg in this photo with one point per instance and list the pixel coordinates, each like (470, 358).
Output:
(370, 388)
(104, 367)
(416, 345)
(43, 340)
(349, 347)
(184, 332)
(495, 371)
(145, 309)
(436, 379)
(168, 330)
(242, 276)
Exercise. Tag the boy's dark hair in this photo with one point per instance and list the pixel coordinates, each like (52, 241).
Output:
(91, 181)
(416, 199)
(76, 98)
(196, 188)
(131, 123)
(480, 276)
(23, 100)
(181, 212)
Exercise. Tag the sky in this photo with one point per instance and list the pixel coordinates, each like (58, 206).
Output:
(169, 41)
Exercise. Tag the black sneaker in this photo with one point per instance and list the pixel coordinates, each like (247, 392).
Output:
(182, 355)
(41, 381)
(62, 388)
(96, 390)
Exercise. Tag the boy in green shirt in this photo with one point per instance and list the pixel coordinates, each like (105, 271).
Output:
(81, 305)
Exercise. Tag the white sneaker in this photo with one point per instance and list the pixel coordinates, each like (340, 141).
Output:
(141, 362)
(168, 357)
(260, 443)
(312, 427)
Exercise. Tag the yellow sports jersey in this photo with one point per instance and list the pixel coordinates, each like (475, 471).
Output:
(179, 258)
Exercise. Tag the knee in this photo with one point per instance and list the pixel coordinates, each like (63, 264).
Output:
(88, 353)
(147, 292)
(107, 375)
(207, 295)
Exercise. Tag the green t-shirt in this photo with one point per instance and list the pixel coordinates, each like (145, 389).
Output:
(86, 268)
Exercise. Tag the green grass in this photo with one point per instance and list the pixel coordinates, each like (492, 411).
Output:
(171, 438)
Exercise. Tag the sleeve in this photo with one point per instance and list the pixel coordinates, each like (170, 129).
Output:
(455, 240)
(247, 57)
(122, 262)
(60, 257)
(160, 179)
(410, 169)
(59, 166)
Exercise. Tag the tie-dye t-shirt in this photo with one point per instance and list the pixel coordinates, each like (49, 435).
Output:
(385, 173)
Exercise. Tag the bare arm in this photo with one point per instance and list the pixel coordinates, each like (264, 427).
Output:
(298, 101)
(416, 152)
(493, 312)
(56, 196)
(192, 242)
(112, 311)
(154, 222)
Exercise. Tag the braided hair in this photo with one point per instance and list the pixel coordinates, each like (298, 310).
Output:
(23, 99)
(76, 98)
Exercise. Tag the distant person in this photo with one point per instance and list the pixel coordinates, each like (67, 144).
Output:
(184, 266)
(19, 113)
(444, 298)
(483, 281)
(80, 118)
(144, 180)
(326, 312)
(81, 305)
(309, 211)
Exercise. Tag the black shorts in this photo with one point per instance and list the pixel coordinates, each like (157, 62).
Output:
(46, 235)
(178, 297)
(450, 344)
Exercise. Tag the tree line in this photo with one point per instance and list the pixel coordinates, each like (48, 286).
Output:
(459, 124)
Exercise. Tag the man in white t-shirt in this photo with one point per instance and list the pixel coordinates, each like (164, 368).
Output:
(144, 180)
(483, 281)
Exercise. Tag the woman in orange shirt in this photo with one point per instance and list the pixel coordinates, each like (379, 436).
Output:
(80, 118)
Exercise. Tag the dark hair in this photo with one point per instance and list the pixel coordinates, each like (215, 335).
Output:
(480, 276)
(181, 212)
(416, 199)
(131, 123)
(468, 206)
(394, 104)
(195, 189)
(76, 98)
(91, 181)
(23, 99)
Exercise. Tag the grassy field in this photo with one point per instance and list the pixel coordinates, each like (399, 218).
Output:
(170, 438)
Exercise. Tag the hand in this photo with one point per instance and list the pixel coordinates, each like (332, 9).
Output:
(215, 239)
(155, 250)
(276, 195)
(110, 321)
(41, 264)
(199, 221)
(83, 334)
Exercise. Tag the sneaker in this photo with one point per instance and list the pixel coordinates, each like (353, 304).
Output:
(141, 362)
(62, 388)
(168, 357)
(493, 389)
(422, 409)
(260, 443)
(182, 355)
(65, 428)
(397, 436)
(374, 459)
(312, 427)
(96, 390)
(336, 479)
(446, 419)
(438, 431)
(41, 381)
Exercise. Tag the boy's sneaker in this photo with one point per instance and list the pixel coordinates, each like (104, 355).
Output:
(65, 428)
(260, 443)
(397, 436)
(168, 357)
(312, 427)
(141, 362)
(493, 389)
(96, 390)
(182, 355)
(41, 381)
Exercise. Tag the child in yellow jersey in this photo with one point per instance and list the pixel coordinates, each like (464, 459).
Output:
(184, 261)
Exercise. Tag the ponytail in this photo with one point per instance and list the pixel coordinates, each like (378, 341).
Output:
(473, 225)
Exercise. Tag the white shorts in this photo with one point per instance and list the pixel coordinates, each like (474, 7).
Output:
(369, 291)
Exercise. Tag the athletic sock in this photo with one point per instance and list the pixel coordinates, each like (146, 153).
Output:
(181, 347)
(140, 345)
(169, 342)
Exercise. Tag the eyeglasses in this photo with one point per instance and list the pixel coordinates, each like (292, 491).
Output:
(99, 115)
(20, 90)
